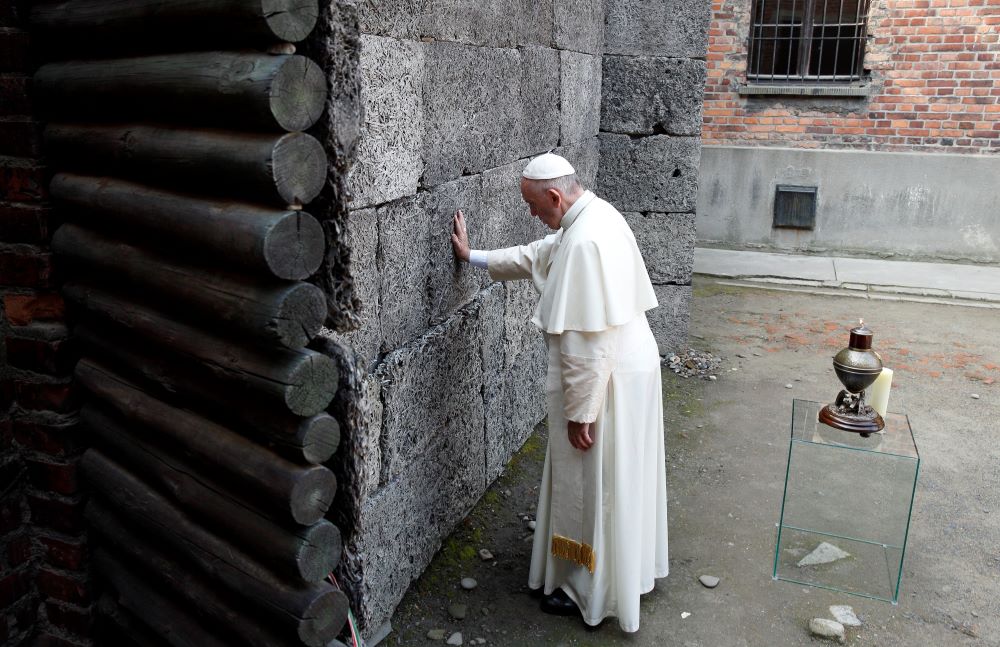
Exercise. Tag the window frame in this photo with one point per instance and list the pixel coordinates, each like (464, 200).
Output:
(801, 76)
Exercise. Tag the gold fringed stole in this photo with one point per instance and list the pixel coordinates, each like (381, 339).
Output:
(574, 551)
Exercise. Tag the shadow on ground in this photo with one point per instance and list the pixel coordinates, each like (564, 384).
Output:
(727, 445)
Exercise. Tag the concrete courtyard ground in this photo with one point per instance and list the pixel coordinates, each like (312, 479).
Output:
(727, 446)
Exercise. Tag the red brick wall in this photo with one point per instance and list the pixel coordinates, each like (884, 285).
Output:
(44, 593)
(935, 79)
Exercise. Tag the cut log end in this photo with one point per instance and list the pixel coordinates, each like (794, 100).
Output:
(312, 495)
(320, 551)
(300, 315)
(291, 20)
(320, 438)
(324, 619)
(299, 167)
(298, 94)
(312, 385)
(294, 246)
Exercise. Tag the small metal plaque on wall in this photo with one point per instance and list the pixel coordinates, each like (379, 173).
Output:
(795, 206)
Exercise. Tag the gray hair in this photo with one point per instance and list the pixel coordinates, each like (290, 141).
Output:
(567, 184)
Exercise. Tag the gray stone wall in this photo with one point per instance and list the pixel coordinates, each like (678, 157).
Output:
(458, 96)
(653, 84)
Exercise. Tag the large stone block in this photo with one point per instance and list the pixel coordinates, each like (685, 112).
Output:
(484, 107)
(499, 23)
(389, 163)
(505, 220)
(520, 300)
(450, 283)
(585, 157)
(361, 238)
(513, 372)
(397, 19)
(657, 173)
(369, 458)
(677, 28)
(643, 95)
(401, 527)
(579, 25)
(580, 97)
(431, 393)
(666, 241)
(538, 128)
(669, 321)
(514, 405)
(403, 267)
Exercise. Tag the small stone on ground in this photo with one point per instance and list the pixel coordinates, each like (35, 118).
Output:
(845, 615)
(693, 363)
(468, 583)
(825, 553)
(829, 629)
(457, 611)
(975, 396)
(709, 581)
(532, 524)
(789, 386)
(455, 639)
(485, 555)
(436, 634)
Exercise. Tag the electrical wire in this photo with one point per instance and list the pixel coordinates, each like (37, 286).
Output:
(351, 623)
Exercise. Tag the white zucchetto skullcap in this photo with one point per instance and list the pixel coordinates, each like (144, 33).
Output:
(548, 167)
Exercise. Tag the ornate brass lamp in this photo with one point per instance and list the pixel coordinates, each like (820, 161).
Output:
(857, 366)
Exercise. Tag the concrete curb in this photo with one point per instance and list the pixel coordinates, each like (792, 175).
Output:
(859, 291)
(970, 285)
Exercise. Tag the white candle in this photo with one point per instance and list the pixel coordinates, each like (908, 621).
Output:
(878, 394)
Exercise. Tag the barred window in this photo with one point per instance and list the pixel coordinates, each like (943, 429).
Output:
(807, 40)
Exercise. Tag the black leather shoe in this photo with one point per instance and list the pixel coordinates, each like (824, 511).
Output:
(559, 604)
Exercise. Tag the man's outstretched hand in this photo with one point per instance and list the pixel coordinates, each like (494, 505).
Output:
(460, 237)
(579, 435)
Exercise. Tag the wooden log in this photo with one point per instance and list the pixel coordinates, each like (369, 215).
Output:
(287, 244)
(182, 583)
(275, 312)
(311, 440)
(307, 553)
(254, 91)
(190, 384)
(316, 612)
(288, 168)
(302, 494)
(118, 626)
(251, 20)
(301, 381)
(173, 623)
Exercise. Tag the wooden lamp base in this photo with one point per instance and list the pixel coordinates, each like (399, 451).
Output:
(865, 422)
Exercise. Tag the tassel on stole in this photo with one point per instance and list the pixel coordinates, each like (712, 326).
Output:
(574, 551)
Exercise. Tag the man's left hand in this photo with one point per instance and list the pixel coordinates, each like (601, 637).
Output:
(579, 435)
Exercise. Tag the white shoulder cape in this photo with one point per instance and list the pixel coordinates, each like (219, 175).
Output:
(597, 278)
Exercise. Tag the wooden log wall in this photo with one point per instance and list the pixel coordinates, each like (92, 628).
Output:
(176, 132)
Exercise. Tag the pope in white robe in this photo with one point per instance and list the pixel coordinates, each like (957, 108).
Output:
(601, 535)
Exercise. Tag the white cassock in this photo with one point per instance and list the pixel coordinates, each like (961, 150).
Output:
(601, 532)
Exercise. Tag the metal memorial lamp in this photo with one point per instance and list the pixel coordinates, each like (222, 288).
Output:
(857, 366)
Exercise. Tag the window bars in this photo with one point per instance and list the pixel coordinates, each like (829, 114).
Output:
(807, 41)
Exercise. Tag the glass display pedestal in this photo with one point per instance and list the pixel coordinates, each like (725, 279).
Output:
(845, 513)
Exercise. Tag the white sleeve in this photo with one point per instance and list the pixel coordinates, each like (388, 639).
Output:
(522, 262)
(477, 258)
(587, 360)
